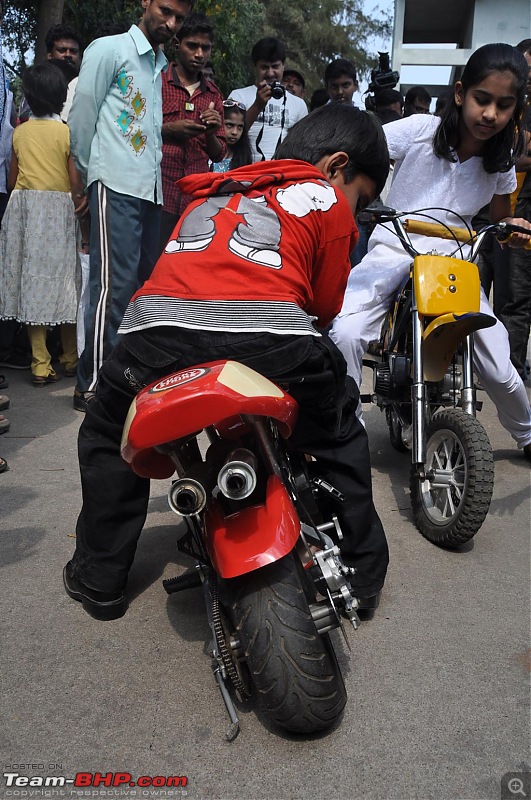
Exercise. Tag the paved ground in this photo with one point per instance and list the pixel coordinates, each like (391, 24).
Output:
(438, 681)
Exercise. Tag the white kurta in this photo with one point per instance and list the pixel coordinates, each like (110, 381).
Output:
(420, 180)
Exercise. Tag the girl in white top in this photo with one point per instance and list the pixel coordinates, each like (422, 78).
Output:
(462, 161)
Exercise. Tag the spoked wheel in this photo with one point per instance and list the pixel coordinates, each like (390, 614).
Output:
(292, 667)
(450, 505)
(395, 430)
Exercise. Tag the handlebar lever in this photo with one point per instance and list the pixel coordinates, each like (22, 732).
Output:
(377, 213)
(504, 230)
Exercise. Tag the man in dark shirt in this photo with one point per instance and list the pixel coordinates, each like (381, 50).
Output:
(192, 118)
(516, 313)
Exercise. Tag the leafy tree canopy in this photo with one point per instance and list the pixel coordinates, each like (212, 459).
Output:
(314, 31)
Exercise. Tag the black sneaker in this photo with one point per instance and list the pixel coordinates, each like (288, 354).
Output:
(81, 400)
(369, 603)
(100, 605)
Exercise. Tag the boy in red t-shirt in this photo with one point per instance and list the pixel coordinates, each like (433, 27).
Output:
(258, 260)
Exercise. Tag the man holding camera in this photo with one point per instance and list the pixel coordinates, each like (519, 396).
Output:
(271, 111)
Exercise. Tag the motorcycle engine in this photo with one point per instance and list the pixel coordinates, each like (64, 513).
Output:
(391, 377)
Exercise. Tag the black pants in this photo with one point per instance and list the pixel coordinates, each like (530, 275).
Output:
(115, 500)
(516, 313)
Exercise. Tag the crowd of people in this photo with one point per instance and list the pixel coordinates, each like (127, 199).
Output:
(135, 181)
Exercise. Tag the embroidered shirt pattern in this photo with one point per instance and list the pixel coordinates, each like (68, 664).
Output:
(131, 115)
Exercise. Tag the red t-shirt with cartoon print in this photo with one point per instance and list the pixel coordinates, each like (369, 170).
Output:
(258, 246)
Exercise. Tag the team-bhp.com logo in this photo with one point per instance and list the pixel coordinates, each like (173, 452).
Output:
(14, 780)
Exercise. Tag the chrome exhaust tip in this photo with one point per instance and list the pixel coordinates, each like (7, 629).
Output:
(237, 477)
(187, 497)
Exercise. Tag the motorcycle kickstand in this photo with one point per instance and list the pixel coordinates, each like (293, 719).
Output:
(234, 728)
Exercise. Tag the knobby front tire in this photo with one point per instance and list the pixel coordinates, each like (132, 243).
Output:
(451, 510)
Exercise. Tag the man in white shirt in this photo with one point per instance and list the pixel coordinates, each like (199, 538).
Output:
(271, 110)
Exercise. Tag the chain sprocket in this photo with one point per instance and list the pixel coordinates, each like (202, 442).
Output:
(227, 657)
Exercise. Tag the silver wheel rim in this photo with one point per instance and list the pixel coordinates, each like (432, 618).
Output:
(444, 496)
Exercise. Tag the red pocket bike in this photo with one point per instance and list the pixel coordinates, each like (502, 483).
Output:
(423, 378)
(273, 579)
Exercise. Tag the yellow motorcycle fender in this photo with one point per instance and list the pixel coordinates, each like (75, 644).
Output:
(442, 337)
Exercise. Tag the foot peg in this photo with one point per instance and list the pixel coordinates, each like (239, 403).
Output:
(187, 581)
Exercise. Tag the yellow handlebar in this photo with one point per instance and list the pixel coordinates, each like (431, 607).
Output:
(443, 232)
(438, 230)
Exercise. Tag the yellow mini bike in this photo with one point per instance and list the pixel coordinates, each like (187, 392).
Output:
(423, 380)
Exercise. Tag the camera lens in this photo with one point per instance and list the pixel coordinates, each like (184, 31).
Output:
(277, 90)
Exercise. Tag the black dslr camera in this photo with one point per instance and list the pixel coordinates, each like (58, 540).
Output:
(382, 77)
(278, 91)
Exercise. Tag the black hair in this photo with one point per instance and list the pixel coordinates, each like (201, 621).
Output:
(500, 151)
(67, 68)
(339, 127)
(319, 98)
(268, 49)
(195, 23)
(524, 46)
(386, 115)
(241, 152)
(445, 97)
(387, 97)
(339, 67)
(418, 93)
(57, 32)
(44, 87)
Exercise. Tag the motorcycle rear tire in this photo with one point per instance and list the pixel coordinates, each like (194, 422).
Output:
(292, 667)
(451, 516)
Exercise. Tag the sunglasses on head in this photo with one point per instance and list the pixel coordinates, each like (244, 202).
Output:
(234, 104)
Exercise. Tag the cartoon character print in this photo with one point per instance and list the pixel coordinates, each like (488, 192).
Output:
(257, 238)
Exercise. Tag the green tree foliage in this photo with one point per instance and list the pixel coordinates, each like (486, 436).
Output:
(237, 25)
(314, 31)
(317, 31)
(90, 17)
(19, 27)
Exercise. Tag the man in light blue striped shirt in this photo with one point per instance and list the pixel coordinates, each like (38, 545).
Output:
(115, 128)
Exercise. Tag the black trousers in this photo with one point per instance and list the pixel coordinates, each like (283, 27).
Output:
(516, 313)
(115, 500)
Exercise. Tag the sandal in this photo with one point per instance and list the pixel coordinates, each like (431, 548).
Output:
(4, 424)
(4, 402)
(53, 377)
(3, 465)
(3, 382)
